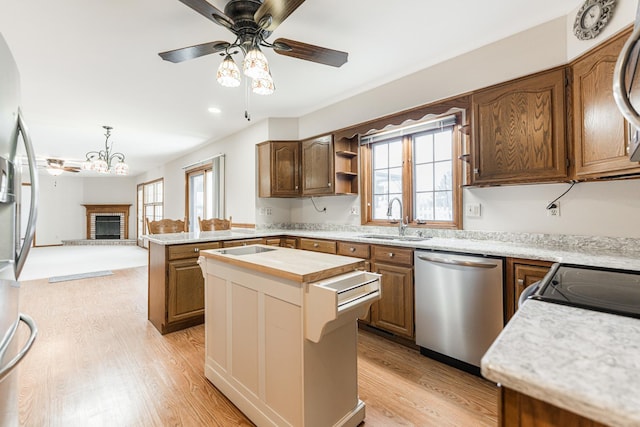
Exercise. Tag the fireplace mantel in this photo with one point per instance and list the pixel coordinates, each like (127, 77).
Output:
(116, 209)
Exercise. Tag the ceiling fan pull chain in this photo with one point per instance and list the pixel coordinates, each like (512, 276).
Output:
(247, 94)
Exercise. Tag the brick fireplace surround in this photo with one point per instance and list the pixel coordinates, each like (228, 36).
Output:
(116, 210)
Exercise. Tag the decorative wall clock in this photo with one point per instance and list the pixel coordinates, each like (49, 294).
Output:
(592, 17)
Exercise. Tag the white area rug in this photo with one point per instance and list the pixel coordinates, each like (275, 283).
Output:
(46, 262)
(57, 279)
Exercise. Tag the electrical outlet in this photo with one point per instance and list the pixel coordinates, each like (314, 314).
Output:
(555, 210)
(354, 210)
(472, 210)
(267, 211)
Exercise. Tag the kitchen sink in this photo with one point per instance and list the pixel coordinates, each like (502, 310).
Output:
(391, 237)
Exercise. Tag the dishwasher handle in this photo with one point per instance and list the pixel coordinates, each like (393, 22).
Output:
(461, 263)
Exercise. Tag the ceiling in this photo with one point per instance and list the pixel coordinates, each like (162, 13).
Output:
(89, 63)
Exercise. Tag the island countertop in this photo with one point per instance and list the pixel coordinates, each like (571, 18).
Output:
(584, 361)
(292, 264)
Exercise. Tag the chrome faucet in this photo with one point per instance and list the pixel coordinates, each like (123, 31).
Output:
(403, 225)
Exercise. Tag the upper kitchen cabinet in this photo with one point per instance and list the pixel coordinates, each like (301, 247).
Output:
(279, 169)
(317, 166)
(346, 163)
(519, 131)
(600, 131)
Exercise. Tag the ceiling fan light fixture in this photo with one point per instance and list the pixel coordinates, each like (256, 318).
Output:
(255, 64)
(263, 85)
(228, 74)
(54, 171)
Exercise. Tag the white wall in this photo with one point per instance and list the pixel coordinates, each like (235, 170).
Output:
(61, 215)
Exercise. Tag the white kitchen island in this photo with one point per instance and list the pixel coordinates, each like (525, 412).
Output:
(281, 333)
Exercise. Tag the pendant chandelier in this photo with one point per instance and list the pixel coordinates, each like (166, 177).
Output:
(105, 161)
(254, 66)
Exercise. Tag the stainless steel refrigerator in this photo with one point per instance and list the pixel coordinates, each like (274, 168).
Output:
(13, 248)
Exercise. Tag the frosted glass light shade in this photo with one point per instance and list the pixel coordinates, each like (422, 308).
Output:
(87, 166)
(100, 166)
(55, 171)
(228, 73)
(121, 169)
(255, 64)
(263, 85)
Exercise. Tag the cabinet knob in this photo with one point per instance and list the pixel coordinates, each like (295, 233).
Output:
(296, 187)
(315, 245)
(476, 171)
(521, 282)
(352, 249)
(391, 254)
(328, 184)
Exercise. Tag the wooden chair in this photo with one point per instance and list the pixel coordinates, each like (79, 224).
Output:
(214, 224)
(165, 226)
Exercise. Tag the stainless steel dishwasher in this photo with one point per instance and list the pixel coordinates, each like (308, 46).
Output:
(458, 306)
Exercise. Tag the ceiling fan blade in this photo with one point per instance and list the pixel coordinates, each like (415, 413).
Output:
(191, 52)
(279, 10)
(309, 52)
(210, 12)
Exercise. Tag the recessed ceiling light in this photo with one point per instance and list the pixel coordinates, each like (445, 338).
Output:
(215, 110)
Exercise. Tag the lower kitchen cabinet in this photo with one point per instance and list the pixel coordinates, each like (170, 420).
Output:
(176, 286)
(242, 242)
(317, 245)
(518, 409)
(520, 274)
(394, 312)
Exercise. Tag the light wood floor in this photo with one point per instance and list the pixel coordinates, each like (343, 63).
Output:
(99, 362)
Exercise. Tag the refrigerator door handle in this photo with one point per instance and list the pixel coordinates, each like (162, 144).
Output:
(33, 208)
(6, 370)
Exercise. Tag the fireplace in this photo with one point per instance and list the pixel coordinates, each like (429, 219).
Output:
(107, 222)
(108, 226)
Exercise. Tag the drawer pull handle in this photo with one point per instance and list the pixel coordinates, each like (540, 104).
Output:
(352, 249)
(196, 250)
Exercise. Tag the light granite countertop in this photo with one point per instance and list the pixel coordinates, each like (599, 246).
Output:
(573, 253)
(584, 361)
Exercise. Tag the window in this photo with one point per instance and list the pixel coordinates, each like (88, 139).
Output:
(414, 164)
(205, 191)
(150, 204)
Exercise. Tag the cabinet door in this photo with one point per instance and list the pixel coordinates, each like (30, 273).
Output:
(600, 132)
(519, 131)
(521, 274)
(394, 311)
(185, 297)
(317, 166)
(279, 169)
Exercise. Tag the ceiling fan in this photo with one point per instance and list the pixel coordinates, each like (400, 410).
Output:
(56, 167)
(252, 22)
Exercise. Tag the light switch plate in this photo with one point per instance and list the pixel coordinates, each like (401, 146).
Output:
(473, 210)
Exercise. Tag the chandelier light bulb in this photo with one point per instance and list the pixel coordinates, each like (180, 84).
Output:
(100, 166)
(122, 169)
(255, 64)
(228, 73)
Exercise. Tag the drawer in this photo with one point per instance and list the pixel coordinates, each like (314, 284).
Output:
(244, 242)
(359, 250)
(273, 241)
(326, 246)
(192, 250)
(392, 255)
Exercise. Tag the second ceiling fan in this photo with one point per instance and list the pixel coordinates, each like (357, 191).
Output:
(252, 22)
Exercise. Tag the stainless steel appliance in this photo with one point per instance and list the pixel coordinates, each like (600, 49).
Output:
(594, 288)
(625, 87)
(459, 310)
(13, 251)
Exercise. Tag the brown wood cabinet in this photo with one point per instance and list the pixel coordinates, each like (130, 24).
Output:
(519, 131)
(601, 134)
(518, 409)
(318, 245)
(394, 312)
(317, 166)
(243, 242)
(176, 286)
(346, 148)
(279, 169)
(520, 274)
